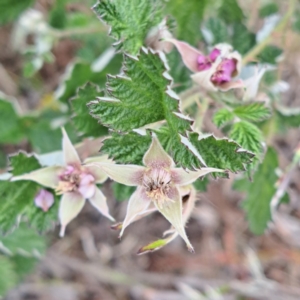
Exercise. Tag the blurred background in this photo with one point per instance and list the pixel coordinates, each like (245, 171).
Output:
(50, 48)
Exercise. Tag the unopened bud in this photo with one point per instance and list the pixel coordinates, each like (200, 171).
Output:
(44, 199)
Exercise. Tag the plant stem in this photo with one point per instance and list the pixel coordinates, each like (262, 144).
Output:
(279, 27)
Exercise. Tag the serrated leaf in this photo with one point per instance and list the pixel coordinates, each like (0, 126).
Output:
(17, 198)
(127, 148)
(289, 117)
(269, 54)
(24, 239)
(11, 9)
(254, 111)
(217, 28)
(221, 153)
(248, 136)
(130, 20)
(11, 130)
(242, 39)
(80, 74)
(230, 12)
(222, 116)
(188, 19)
(85, 125)
(9, 277)
(260, 193)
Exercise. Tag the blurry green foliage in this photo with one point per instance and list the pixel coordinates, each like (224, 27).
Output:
(268, 10)
(269, 54)
(122, 192)
(231, 12)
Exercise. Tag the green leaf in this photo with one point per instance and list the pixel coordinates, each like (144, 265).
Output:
(9, 277)
(57, 15)
(269, 54)
(24, 239)
(122, 192)
(127, 148)
(242, 39)
(248, 136)
(268, 9)
(253, 111)
(23, 265)
(260, 193)
(217, 28)
(130, 21)
(222, 116)
(80, 74)
(289, 117)
(11, 9)
(17, 198)
(221, 153)
(82, 120)
(188, 19)
(201, 184)
(230, 12)
(141, 91)
(11, 130)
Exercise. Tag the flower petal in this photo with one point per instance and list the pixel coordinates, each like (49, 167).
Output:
(87, 186)
(47, 177)
(44, 199)
(188, 54)
(171, 209)
(70, 154)
(236, 84)
(252, 84)
(137, 205)
(203, 79)
(70, 206)
(131, 175)
(99, 175)
(99, 202)
(182, 177)
(156, 156)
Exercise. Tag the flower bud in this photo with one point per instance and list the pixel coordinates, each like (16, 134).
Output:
(44, 199)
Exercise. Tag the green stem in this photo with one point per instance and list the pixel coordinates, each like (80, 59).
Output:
(280, 26)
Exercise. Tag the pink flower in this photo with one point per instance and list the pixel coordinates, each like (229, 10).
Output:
(44, 199)
(74, 182)
(158, 186)
(215, 70)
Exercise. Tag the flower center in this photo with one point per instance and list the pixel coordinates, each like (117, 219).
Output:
(157, 183)
(75, 180)
(224, 72)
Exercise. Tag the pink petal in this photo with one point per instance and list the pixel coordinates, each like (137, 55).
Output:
(188, 54)
(137, 205)
(44, 200)
(172, 211)
(70, 206)
(87, 186)
(99, 202)
(182, 177)
(99, 175)
(47, 177)
(131, 175)
(70, 154)
(156, 156)
(214, 54)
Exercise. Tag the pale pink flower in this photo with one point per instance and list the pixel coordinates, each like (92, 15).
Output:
(44, 199)
(214, 71)
(74, 182)
(158, 186)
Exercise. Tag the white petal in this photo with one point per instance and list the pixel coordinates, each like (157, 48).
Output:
(203, 79)
(99, 202)
(131, 175)
(48, 177)
(235, 84)
(156, 156)
(188, 54)
(172, 211)
(252, 84)
(70, 154)
(182, 177)
(137, 205)
(70, 206)
(99, 175)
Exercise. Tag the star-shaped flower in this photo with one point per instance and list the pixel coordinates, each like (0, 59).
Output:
(157, 184)
(74, 182)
